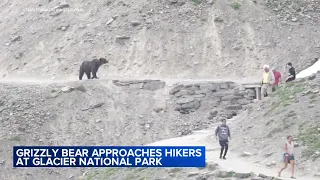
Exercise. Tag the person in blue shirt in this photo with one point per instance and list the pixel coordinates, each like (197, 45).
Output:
(223, 133)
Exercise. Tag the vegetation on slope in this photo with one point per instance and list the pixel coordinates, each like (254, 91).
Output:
(310, 136)
(285, 96)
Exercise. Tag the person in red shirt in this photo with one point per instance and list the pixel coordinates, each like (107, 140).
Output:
(277, 77)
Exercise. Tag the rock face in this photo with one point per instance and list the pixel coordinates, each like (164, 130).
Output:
(221, 99)
(151, 85)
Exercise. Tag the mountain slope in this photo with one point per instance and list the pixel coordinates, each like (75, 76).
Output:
(163, 39)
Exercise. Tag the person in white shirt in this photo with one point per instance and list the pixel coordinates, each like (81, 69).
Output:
(267, 81)
(288, 156)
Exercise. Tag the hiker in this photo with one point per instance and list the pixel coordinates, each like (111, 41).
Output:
(267, 81)
(223, 132)
(288, 156)
(292, 72)
(277, 78)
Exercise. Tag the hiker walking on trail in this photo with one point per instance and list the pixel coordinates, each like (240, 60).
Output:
(292, 72)
(223, 133)
(288, 156)
(267, 81)
(277, 79)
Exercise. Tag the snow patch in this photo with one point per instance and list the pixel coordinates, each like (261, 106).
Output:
(310, 70)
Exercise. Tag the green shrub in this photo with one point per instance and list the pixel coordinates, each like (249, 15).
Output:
(310, 137)
(284, 96)
(235, 4)
(197, 1)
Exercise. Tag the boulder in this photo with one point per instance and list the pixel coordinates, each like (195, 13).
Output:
(262, 175)
(122, 37)
(251, 93)
(211, 87)
(176, 89)
(218, 19)
(120, 83)
(184, 92)
(136, 86)
(154, 85)
(212, 114)
(191, 105)
(193, 87)
(224, 86)
(185, 100)
(201, 92)
(240, 93)
(135, 23)
(16, 38)
(187, 105)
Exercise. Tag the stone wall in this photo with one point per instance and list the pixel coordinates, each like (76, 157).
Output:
(151, 85)
(220, 99)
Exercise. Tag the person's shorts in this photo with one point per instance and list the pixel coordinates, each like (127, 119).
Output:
(223, 143)
(287, 158)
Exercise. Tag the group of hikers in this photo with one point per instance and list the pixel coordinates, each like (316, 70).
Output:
(223, 134)
(271, 79)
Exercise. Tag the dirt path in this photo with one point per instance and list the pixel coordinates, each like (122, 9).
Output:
(170, 82)
(234, 161)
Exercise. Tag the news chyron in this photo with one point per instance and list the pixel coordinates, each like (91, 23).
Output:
(109, 156)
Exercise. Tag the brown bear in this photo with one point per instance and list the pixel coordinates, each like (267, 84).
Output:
(91, 66)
